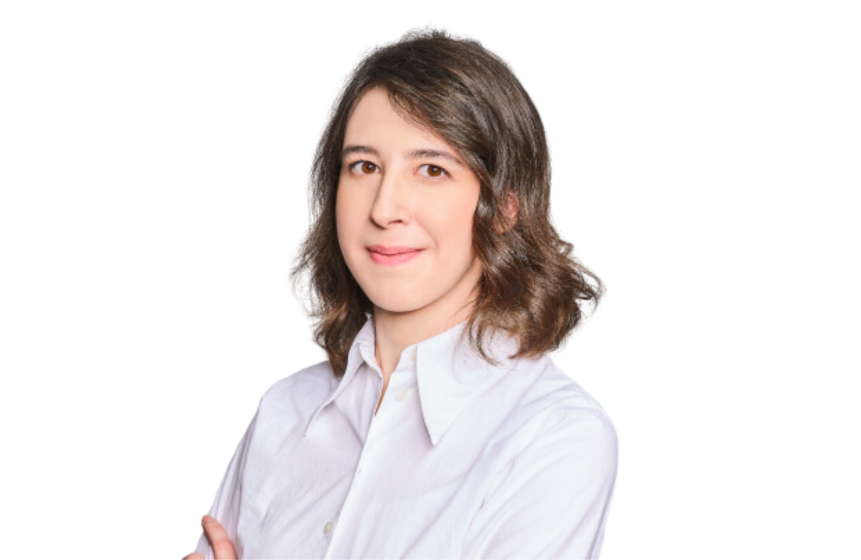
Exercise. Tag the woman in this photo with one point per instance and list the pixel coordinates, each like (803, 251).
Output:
(438, 427)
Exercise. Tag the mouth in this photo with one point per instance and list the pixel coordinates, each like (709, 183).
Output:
(390, 256)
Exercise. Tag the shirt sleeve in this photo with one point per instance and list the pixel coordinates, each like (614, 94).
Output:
(225, 507)
(552, 500)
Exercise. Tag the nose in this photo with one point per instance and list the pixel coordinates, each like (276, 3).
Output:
(391, 206)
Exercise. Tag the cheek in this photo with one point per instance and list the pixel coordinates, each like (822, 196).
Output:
(451, 223)
(344, 223)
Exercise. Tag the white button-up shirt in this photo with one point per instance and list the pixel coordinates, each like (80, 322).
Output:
(463, 460)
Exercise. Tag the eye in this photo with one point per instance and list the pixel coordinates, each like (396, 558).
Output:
(434, 171)
(364, 167)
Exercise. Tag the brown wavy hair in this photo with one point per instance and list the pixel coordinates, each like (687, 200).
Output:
(531, 285)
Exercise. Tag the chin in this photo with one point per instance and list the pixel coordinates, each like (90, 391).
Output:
(395, 304)
(397, 297)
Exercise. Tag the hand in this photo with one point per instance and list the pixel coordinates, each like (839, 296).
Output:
(222, 548)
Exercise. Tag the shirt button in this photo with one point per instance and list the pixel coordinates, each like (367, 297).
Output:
(328, 528)
(402, 394)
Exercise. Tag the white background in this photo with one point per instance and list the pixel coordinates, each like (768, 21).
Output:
(154, 160)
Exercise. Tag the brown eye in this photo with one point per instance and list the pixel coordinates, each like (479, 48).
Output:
(431, 170)
(363, 168)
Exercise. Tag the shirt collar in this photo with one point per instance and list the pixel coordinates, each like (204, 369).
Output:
(449, 373)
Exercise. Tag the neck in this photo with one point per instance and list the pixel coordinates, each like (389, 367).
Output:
(395, 331)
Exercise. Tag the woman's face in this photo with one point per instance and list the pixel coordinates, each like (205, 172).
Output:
(404, 213)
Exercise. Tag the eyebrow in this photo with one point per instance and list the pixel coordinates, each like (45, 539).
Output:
(353, 149)
(436, 154)
(412, 154)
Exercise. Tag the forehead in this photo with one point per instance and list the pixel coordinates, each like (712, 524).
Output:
(374, 119)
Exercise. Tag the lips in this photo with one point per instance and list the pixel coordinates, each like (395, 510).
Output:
(384, 255)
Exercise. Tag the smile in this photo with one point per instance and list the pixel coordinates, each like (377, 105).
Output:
(391, 256)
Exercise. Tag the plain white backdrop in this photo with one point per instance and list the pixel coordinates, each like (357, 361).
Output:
(154, 159)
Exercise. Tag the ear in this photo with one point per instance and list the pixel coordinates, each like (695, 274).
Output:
(510, 208)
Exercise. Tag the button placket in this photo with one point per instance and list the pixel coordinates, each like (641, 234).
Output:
(347, 505)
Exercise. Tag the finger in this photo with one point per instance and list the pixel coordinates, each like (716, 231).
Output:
(222, 548)
(193, 556)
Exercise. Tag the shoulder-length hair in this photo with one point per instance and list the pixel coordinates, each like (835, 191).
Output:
(531, 287)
